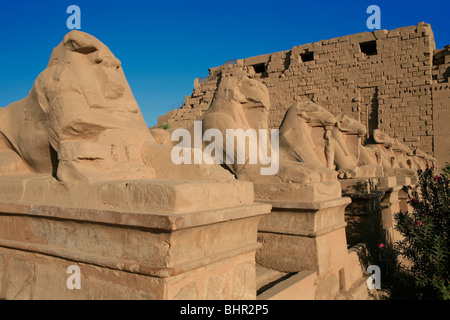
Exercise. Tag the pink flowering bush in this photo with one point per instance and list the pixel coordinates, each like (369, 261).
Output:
(426, 232)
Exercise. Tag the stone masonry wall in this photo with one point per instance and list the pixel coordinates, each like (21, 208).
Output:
(383, 79)
(441, 121)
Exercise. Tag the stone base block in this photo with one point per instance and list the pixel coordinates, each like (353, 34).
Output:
(356, 264)
(31, 276)
(199, 255)
(390, 205)
(139, 195)
(359, 185)
(307, 193)
(301, 286)
(365, 202)
(303, 236)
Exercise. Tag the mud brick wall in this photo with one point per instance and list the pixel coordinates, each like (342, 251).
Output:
(194, 105)
(383, 79)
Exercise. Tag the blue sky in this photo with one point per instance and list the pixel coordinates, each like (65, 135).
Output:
(165, 45)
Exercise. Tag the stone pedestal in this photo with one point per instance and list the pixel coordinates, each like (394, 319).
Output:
(298, 236)
(359, 214)
(307, 237)
(207, 253)
(390, 205)
(402, 195)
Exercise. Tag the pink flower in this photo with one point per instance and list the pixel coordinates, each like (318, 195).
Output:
(436, 178)
(419, 223)
(381, 245)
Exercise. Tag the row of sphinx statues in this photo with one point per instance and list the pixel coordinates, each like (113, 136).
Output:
(310, 137)
(80, 122)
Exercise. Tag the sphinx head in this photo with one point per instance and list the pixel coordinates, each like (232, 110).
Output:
(99, 72)
(243, 98)
(313, 114)
(350, 125)
(382, 138)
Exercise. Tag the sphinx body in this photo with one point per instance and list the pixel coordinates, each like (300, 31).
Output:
(352, 158)
(79, 116)
(81, 123)
(391, 155)
(421, 159)
(311, 134)
(296, 134)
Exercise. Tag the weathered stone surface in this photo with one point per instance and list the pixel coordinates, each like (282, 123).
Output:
(233, 278)
(297, 238)
(42, 277)
(243, 274)
(300, 286)
(216, 287)
(118, 253)
(327, 288)
(287, 253)
(2, 274)
(20, 275)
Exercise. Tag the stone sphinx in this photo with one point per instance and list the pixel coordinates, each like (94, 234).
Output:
(311, 134)
(403, 155)
(78, 118)
(414, 160)
(352, 158)
(81, 128)
(300, 141)
(391, 155)
(239, 103)
(421, 159)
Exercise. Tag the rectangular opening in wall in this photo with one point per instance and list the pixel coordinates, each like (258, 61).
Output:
(369, 48)
(259, 68)
(307, 56)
